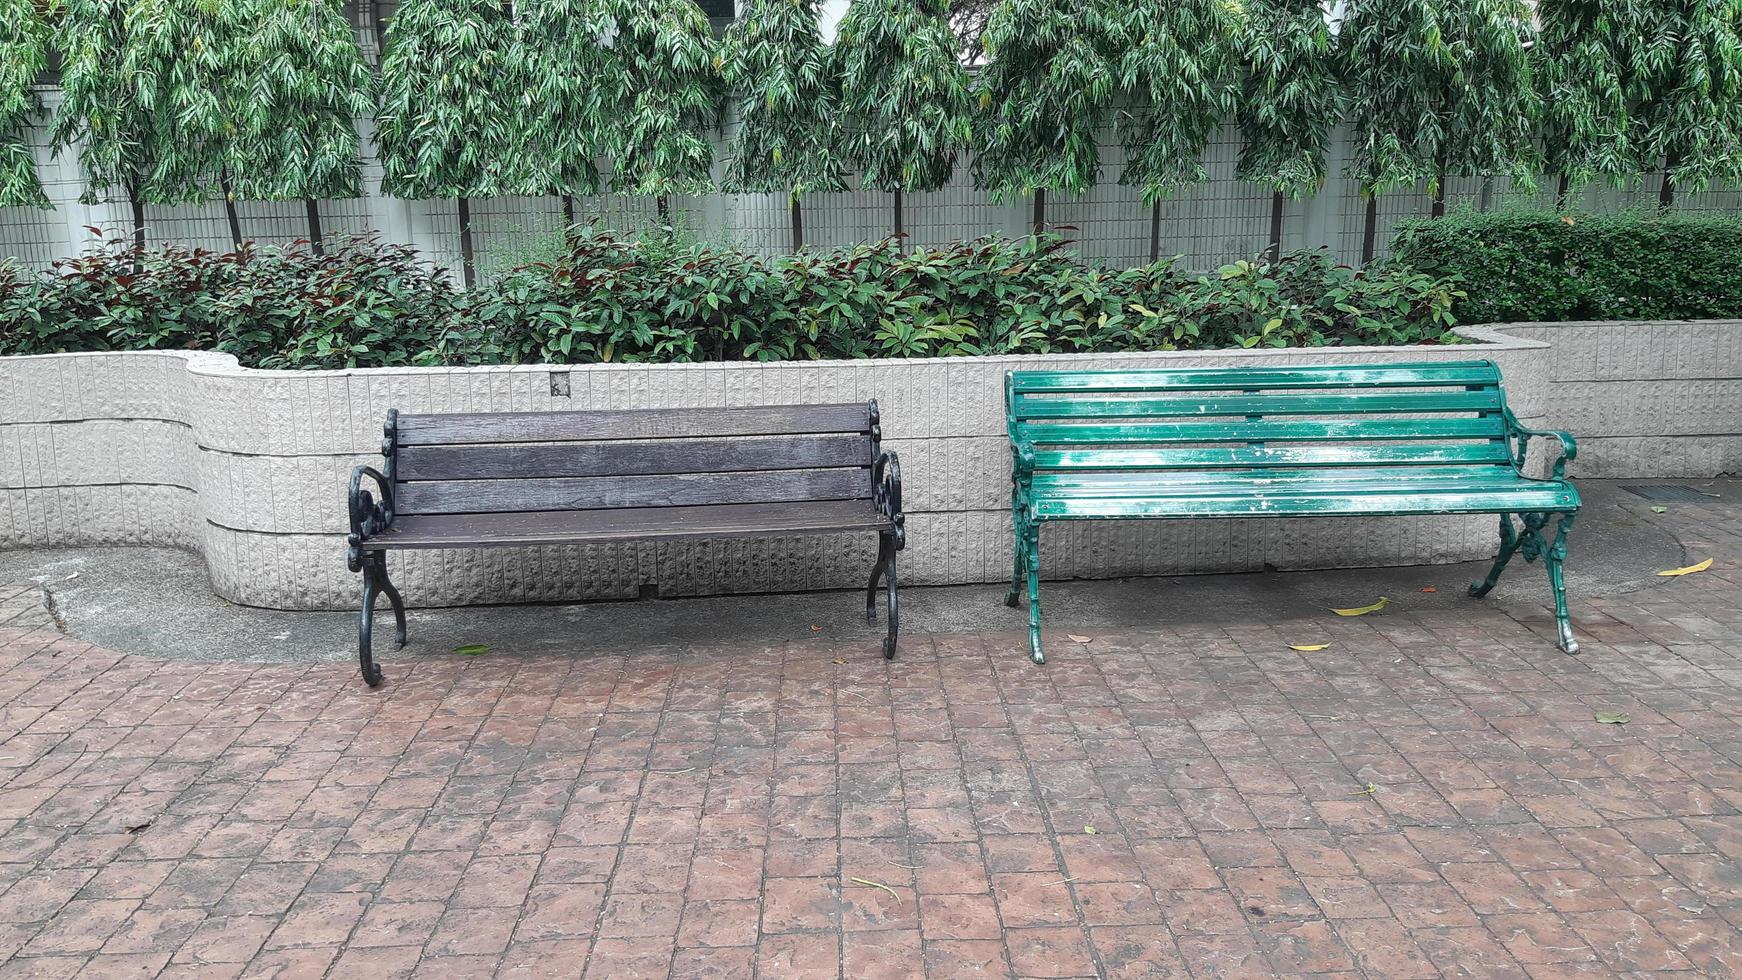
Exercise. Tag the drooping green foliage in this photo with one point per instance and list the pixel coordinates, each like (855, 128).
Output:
(1523, 265)
(307, 84)
(23, 54)
(1044, 95)
(186, 61)
(100, 111)
(905, 104)
(448, 111)
(776, 67)
(577, 93)
(1582, 66)
(1177, 62)
(667, 52)
(1688, 92)
(1288, 95)
(1438, 88)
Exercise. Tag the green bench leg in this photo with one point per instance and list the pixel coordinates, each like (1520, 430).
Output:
(1555, 558)
(1029, 544)
(1509, 540)
(1530, 540)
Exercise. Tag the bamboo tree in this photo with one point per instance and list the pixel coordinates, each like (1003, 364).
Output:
(775, 64)
(667, 52)
(1177, 64)
(905, 103)
(1688, 94)
(577, 95)
(1436, 89)
(1581, 65)
(1288, 102)
(308, 84)
(188, 62)
(445, 125)
(23, 55)
(1043, 98)
(100, 111)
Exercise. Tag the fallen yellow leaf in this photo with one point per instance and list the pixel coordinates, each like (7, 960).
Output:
(1702, 566)
(1364, 610)
(1307, 647)
(1079, 639)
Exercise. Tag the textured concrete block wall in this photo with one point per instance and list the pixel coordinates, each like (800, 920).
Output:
(250, 468)
(1647, 398)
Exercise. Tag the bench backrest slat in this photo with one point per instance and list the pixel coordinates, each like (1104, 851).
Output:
(553, 461)
(535, 460)
(1271, 419)
(637, 423)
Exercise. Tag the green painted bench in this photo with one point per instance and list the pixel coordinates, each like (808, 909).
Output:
(1281, 442)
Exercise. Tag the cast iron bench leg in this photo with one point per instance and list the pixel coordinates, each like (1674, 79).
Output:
(375, 583)
(891, 598)
(1030, 545)
(1509, 540)
(883, 554)
(1555, 558)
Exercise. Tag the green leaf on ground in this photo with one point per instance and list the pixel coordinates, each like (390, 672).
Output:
(1660, 510)
(1613, 717)
(472, 650)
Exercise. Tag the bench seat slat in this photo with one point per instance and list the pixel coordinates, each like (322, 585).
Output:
(1545, 497)
(1359, 403)
(521, 461)
(1397, 479)
(1247, 457)
(641, 423)
(1453, 373)
(637, 524)
(605, 492)
(1266, 430)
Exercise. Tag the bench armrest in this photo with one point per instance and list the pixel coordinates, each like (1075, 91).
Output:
(368, 516)
(1568, 445)
(886, 493)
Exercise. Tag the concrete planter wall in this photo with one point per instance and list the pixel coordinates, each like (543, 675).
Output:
(1647, 398)
(249, 467)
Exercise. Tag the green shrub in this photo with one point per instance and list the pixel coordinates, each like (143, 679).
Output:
(363, 304)
(665, 299)
(1537, 265)
(638, 300)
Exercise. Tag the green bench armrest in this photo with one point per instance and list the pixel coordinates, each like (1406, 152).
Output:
(1523, 434)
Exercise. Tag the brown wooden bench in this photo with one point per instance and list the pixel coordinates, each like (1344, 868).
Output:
(542, 478)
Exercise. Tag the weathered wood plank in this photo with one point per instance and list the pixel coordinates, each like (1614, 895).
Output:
(654, 524)
(604, 492)
(1359, 428)
(527, 461)
(645, 423)
(1304, 403)
(1450, 374)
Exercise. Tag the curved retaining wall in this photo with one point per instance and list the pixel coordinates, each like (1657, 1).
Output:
(249, 468)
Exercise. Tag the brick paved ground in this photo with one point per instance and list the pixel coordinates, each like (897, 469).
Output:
(1150, 804)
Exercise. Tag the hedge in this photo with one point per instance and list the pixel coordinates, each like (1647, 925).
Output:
(1538, 265)
(611, 298)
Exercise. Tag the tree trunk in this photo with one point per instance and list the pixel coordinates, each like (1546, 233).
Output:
(380, 31)
(1039, 211)
(1560, 194)
(900, 231)
(797, 211)
(468, 268)
(1277, 204)
(1438, 210)
(138, 226)
(664, 204)
(568, 214)
(1155, 231)
(230, 211)
(316, 244)
(1666, 191)
(1487, 201)
(1372, 228)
